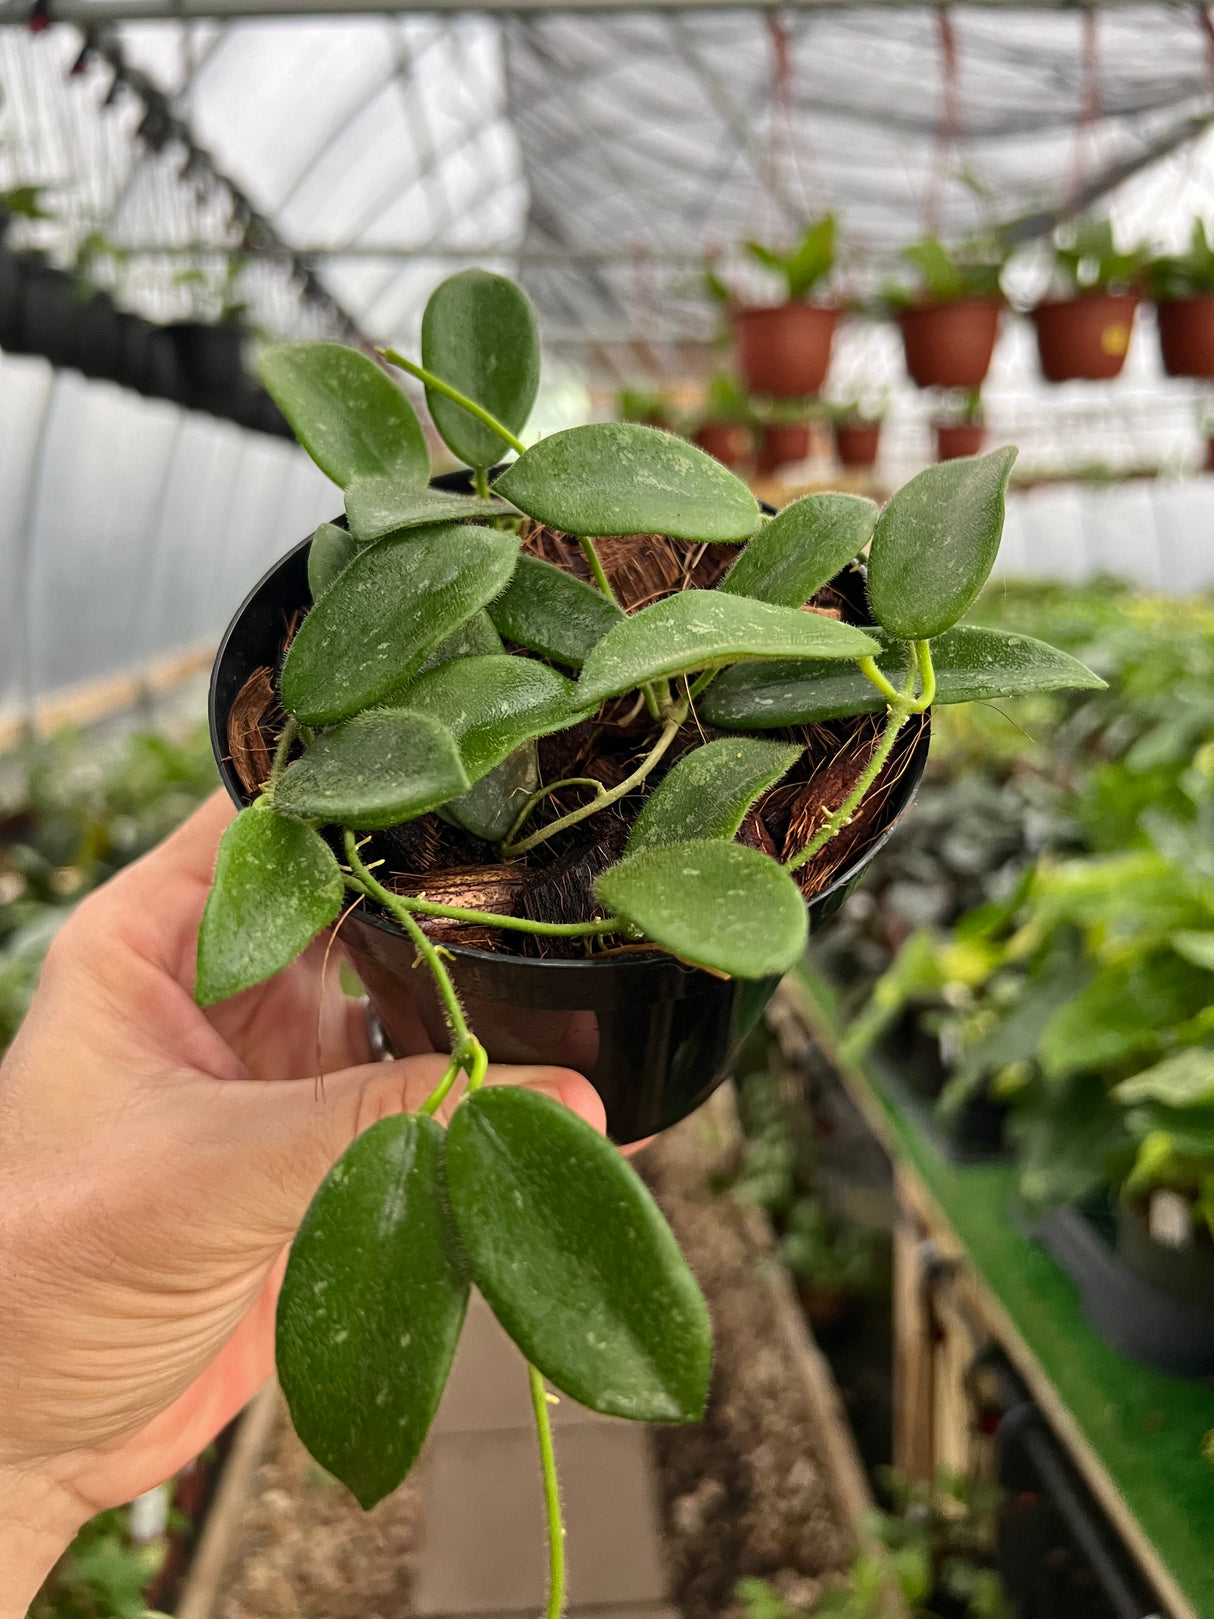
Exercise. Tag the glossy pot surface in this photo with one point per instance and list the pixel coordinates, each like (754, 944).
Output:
(653, 1036)
(1085, 339)
(784, 351)
(966, 438)
(950, 345)
(1186, 336)
(858, 443)
(782, 444)
(731, 443)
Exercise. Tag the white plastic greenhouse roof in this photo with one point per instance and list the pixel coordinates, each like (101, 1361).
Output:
(601, 155)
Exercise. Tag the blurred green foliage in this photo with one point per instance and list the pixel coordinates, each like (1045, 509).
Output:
(1049, 913)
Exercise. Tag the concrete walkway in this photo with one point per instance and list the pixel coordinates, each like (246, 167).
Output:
(483, 1549)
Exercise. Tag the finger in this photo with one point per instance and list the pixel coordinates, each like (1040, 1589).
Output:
(270, 1145)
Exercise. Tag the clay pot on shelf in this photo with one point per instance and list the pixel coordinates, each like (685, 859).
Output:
(1085, 339)
(955, 439)
(857, 443)
(784, 350)
(731, 443)
(1186, 336)
(950, 345)
(782, 444)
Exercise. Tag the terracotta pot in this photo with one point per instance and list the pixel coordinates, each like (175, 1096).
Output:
(784, 351)
(655, 1037)
(950, 345)
(1186, 336)
(1085, 339)
(857, 443)
(730, 442)
(965, 438)
(782, 443)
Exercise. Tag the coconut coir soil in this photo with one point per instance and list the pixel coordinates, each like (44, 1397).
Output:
(554, 882)
(749, 1490)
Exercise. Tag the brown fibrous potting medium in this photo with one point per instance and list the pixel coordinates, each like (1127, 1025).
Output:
(554, 882)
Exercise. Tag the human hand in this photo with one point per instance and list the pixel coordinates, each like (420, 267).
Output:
(155, 1162)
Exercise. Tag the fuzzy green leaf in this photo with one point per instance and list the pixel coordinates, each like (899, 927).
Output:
(575, 1259)
(371, 1308)
(802, 549)
(492, 705)
(621, 478)
(372, 771)
(276, 885)
(475, 637)
(719, 905)
(332, 548)
(935, 543)
(703, 629)
(972, 664)
(1183, 1080)
(387, 612)
(346, 412)
(1195, 946)
(490, 808)
(479, 334)
(547, 610)
(379, 506)
(709, 791)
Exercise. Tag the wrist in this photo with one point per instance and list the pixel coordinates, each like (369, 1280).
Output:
(38, 1520)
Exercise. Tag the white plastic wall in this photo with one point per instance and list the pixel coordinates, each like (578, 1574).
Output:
(129, 528)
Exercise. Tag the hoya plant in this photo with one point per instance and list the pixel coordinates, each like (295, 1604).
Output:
(456, 645)
(804, 267)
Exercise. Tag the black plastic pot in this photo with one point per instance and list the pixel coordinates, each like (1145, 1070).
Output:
(654, 1037)
(210, 359)
(11, 299)
(50, 314)
(98, 339)
(1136, 1317)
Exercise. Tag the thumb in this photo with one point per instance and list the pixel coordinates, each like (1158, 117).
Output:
(292, 1132)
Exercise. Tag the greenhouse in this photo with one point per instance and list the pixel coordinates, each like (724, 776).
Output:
(606, 809)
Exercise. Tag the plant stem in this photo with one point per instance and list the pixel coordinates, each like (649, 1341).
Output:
(927, 677)
(289, 732)
(899, 711)
(669, 732)
(466, 1050)
(596, 567)
(454, 395)
(552, 1498)
(480, 482)
(868, 668)
(546, 792)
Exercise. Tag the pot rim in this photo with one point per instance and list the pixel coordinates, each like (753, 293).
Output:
(1131, 298)
(745, 310)
(972, 300)
(230, 781)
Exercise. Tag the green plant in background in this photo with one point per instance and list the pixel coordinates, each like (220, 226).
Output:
(72, 811)
(959, 407)
(1184, 275)
(726, 399)
(103, 1575)
(944, 275)
(940, 1543)
(643, 405)
(858, 409)
(1088, 258)
(804, 267)
(402, 699)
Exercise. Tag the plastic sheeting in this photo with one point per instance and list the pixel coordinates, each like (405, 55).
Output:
(130, 528)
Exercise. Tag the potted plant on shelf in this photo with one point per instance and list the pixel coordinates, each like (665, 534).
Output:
(949, 323)
(857, 430)
(1182, 286)
(589, 783)
(784, 349)
(1085, 336)
(210, 355)
(958, 424)
(645, 406)
(785, 433)
(727, 430)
